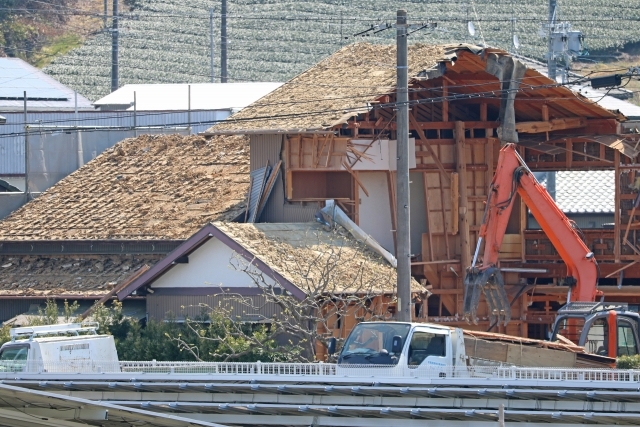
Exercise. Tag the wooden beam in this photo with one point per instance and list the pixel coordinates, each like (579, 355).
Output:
(431, 125)
(425, 141)
(551, 125)
(329, 152)
(355, 177)
(465, 245)
(443, 261)
(428, 213)
(455, 201)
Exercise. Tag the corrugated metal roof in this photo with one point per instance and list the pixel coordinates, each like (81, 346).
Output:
(583, 191)
(43, 92)
(12, 133)
(204, 96)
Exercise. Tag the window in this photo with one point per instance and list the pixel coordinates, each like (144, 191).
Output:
(597, 339)
(627, 345)
(424, 344)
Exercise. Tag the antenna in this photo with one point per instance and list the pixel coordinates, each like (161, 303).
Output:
(471, 28)
(516, 41)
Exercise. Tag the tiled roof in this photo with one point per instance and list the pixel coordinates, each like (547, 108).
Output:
(583, 191)
(71, 275)
(150, 187)
(316, 260)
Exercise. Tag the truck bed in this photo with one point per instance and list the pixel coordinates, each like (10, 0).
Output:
(512, 350)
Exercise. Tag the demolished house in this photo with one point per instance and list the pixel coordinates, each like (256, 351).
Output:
(331, 133)
(117, 216)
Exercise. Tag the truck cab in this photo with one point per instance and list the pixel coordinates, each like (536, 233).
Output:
(403, 348)
(70, 347)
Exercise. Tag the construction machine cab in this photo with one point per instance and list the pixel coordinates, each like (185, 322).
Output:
(605, 329)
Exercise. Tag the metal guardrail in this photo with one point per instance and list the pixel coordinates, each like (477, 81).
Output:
(318, 370)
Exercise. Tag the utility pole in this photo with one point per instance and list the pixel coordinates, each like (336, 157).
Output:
(223, 42)
(26, 149)
(104, 18)
(114, 48)
(403, 237)
(211, 45)
(551, 60)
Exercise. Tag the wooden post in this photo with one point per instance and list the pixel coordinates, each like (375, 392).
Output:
(428, 214)
(445, 103)
(455, 202)
(463, 220)
(616, 215)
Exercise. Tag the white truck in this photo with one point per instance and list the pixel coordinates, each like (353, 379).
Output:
(426, 349)
(69, 347)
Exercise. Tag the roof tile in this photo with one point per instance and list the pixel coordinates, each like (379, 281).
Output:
(142, 188)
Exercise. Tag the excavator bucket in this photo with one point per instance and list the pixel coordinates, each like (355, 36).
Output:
(488, 281)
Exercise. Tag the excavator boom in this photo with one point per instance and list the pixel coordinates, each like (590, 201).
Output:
(514, 177)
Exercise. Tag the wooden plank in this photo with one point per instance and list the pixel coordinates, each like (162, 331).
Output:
(455, 200)
(465, 245)
(483, 349)
(444, 222)
(542, 357)
(329, 152)
(551, 125)
(314, 152)
(356, 196)
(289, 185)
(442, 261)
(428, 214)
(425, 141)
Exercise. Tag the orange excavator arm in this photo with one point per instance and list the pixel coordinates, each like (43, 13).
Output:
(513, 176)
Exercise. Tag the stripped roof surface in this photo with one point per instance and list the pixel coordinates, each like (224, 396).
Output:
(317, 98)
(315, 260)
(580, 192)
(145, 188)
(69, 275)
(348, 81)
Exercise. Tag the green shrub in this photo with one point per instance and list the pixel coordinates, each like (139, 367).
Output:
(628, 362)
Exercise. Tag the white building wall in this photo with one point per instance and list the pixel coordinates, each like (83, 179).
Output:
(209, 265)
(375, 212)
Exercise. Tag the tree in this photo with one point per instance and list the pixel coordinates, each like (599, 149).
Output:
(343, 280)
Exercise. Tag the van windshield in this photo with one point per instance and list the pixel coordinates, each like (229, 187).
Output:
(370, 344)
(13, 358)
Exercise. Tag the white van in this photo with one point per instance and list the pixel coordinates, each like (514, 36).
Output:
(68, 347)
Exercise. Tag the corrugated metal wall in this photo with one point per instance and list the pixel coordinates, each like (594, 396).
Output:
(13, 307)
(268, 148)
(12, 133)
(158, 306)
